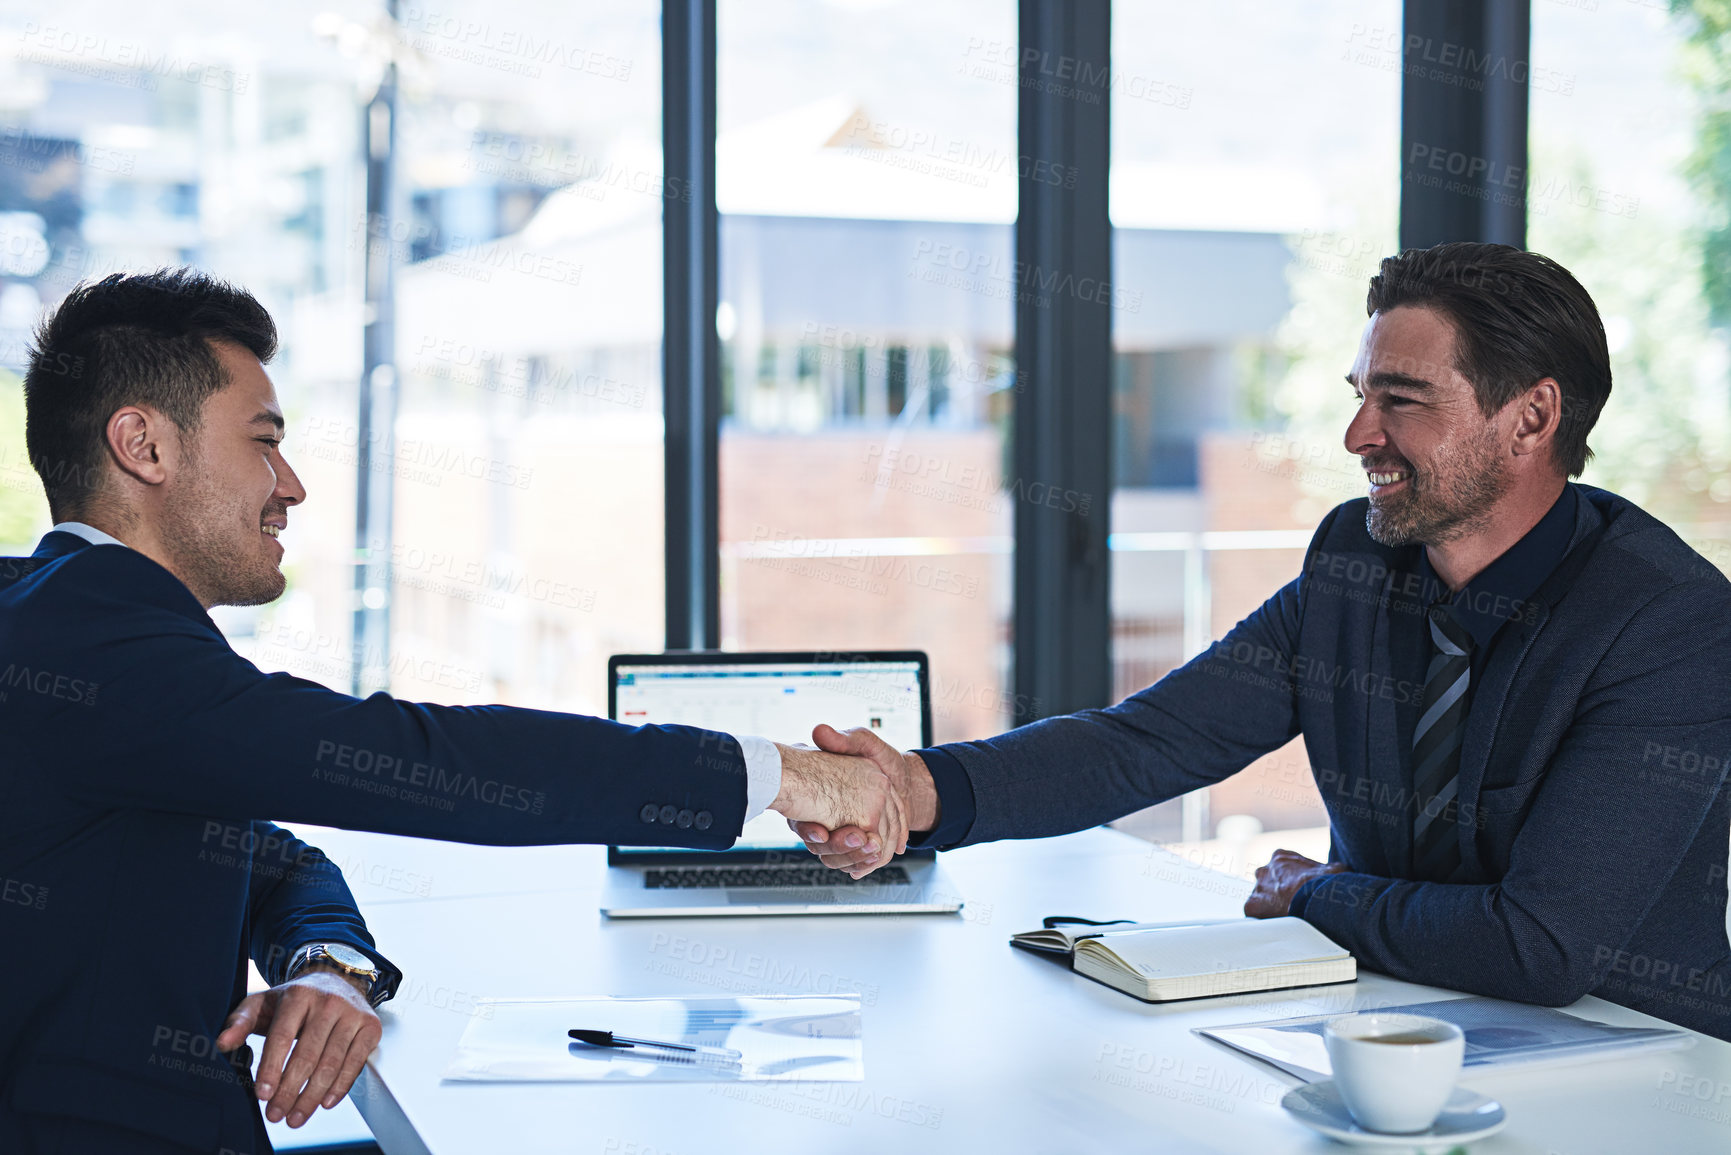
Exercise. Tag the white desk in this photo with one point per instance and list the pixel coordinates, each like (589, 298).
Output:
(969, 1044)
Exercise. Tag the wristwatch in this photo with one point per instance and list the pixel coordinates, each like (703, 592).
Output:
(346, 959)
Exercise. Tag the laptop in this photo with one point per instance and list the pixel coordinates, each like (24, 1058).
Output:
(781, 696)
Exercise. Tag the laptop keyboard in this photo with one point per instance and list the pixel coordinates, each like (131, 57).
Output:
(768, 876)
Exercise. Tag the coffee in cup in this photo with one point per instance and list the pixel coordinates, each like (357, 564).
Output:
(1394, 1071)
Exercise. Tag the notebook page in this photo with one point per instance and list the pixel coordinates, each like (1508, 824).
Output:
(1064, 939)
(1247, 944)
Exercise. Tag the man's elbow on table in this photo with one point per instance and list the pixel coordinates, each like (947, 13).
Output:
(1553, 989)
(1554, 975)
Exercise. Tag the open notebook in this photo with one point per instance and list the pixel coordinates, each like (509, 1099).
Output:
(1060, 935)
(1161, 962)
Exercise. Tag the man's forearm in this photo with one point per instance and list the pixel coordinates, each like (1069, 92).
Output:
(1416, 931)
(925, 808)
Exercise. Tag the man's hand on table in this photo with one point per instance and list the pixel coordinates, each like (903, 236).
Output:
(848, 847)
(325, 1015)
(828, 789)
(1277, 882)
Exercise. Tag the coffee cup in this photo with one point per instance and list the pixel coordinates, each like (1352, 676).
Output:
(1394, 1071)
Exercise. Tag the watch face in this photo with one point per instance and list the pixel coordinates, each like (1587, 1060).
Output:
(347, 956)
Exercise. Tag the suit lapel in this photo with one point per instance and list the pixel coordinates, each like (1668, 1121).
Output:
(1486, 714)
(1507, 656)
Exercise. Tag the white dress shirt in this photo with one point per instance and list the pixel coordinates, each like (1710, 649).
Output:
(88, 532)
(762, 759)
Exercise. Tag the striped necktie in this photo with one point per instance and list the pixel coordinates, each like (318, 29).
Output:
(1436, 748)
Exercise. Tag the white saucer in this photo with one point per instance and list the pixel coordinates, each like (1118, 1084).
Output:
(1465, 1117)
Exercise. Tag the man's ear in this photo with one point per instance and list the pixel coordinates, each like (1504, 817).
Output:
(143, 443)
(1540, 416)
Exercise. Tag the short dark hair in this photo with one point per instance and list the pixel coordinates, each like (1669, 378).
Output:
(1518, 317)
(128, 339)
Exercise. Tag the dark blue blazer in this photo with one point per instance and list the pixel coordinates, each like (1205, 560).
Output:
(1594, 816)
(139, 757)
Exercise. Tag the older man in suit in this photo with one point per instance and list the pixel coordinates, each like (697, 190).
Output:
(1515, 691)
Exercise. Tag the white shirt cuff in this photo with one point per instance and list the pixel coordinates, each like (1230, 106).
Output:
(762, 774)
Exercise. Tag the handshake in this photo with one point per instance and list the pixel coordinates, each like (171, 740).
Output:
(854, 799)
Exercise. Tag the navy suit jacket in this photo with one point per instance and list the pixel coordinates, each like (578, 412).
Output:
(137, 874)
(1593, 812)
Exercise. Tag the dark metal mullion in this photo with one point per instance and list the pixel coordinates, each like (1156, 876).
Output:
(1062, 421)
(1464, 95)
(691, 352)
(1508, 36)
(376, 433)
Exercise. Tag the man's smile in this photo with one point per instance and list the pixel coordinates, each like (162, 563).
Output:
(1384, 481)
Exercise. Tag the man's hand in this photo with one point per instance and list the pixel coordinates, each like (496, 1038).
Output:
(1277, 882)
(832, 790)
(324, 1014)
(844, 848)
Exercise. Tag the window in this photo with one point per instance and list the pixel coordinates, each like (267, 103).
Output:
(866, 177)
(1626, 190)
(527, 537)
(1254, 150)
(526, 461)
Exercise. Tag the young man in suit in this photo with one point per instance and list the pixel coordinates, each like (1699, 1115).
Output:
(143, 758)
(1515, 691)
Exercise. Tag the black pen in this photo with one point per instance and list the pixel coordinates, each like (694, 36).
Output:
(625, 1043)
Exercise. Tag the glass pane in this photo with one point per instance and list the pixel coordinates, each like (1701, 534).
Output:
(526, 542)
(131, 142)
(866, 174)
(1628, 190)
(1250, 204)
(530, 336)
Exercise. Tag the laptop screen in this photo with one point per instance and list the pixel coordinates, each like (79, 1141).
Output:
(777, 696)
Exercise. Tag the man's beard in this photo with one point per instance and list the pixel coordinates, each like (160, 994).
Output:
(1447, 501)
(200, 528)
